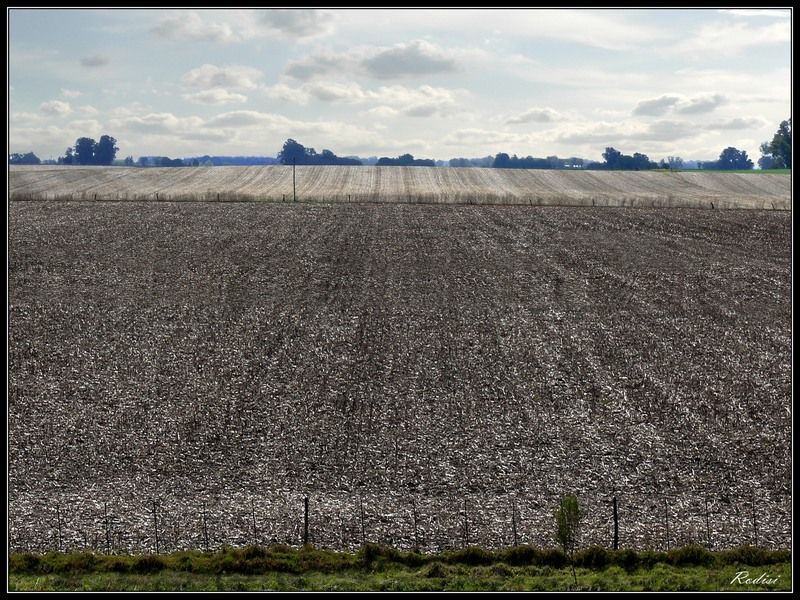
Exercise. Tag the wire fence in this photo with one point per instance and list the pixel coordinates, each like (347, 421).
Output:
(345, 521)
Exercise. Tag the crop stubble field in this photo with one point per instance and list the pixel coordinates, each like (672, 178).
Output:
(391, 362)
(406, 185)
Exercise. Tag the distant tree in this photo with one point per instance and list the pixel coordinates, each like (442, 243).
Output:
(68, 158)
(143, 161)
(292, 153)
(767, 161)
(84, 151)
(105, 151)
(165, 161)
(502, 161)
(731, 158)
(675, 162)
(405, 160)
(612, 158)
(295, 153)
(28, 158)
(777, 154)
(195, 162)
(129, 161)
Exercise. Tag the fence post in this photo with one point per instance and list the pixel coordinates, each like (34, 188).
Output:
(205, 527)
(255, 530)
(466, 525)
(294, 181)
(616, 525)
(60, 537)
(108, 531)
(363, 527)
(514, 520)
(155, 524)
(305, 521)
(414, 509)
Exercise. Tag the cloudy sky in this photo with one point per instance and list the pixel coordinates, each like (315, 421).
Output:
(439, 84)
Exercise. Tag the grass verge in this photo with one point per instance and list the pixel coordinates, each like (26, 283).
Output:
(379, 568)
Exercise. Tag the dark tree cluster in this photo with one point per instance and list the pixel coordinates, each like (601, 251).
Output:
(729, 160)
(777, 154)
(486, 161)
(29, 158)
(405, 160)
(504, 161)
(617, 161)
(294, 153)
(89, 152)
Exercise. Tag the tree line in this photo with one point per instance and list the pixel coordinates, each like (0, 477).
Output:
(294, 153)
(89, 152)
(776, 154)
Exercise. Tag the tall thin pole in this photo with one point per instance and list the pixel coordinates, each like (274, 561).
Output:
(514, 520)
(108, 531)
(294, 180)
(305, 521)
(155, 523)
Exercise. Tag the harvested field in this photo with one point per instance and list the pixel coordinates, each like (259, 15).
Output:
(406, 185)
(427, 375)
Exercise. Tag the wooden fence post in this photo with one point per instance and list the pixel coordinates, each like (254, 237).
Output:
(514, 520)
(108, 530)
(305, 521)
(155, 524)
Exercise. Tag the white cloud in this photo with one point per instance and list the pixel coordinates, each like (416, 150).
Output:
(55, 108)
(750, 12)
(696, 105)
(423, 101)
(728, 39)
(407, 59)
(190, 27)
(211, 76)
(349, 92)
(94, 61)
(738, 123)
(25, 117)
(483, 137)
(535, 115)
(88, 110)
(303, 23)
(619, 133)
(656, 106)
(285, 93)
(70, 93)
(215, 96)
(701, 104)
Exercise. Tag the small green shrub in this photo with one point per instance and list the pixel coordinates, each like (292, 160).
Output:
(435, 570)
(650, 558)
(521, 555)
(690, 555)
(24, 562)
(593, 557)
(471, 556)
(149, 563)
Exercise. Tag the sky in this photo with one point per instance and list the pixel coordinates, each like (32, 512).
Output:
(436, 83)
